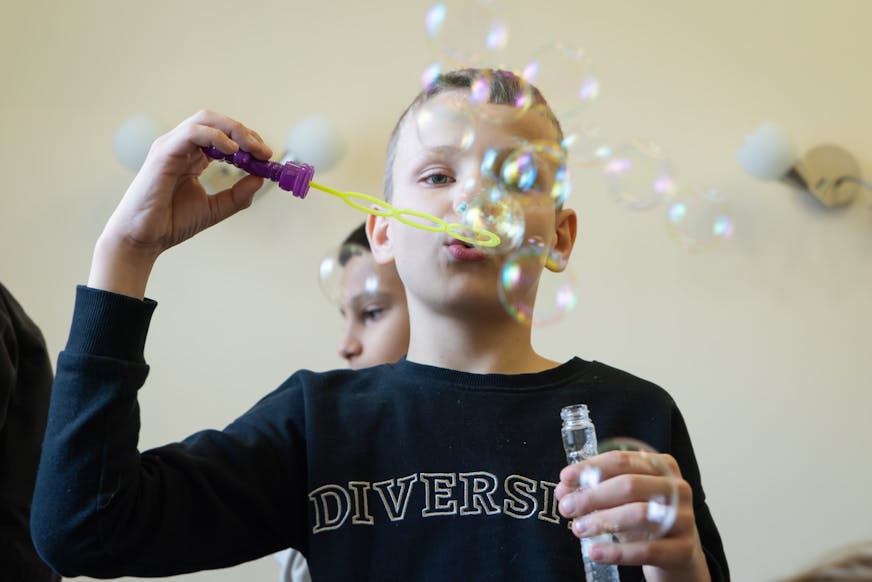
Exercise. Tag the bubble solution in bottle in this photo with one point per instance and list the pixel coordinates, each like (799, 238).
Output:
(579, 442)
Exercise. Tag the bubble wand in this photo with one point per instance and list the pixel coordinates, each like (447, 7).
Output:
(297, 178)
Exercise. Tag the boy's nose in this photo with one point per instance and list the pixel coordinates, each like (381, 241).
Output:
(349, 347)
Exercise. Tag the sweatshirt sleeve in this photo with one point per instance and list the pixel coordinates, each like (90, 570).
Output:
(103, 509)
(708, 531)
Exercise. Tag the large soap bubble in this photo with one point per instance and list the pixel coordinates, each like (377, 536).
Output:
(466, 33)
(532, 295)
(639, 175)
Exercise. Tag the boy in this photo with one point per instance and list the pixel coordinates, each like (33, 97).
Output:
(376, 320)
(436, 467)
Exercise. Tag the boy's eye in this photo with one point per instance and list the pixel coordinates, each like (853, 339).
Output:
(438, 179)
(372, 313)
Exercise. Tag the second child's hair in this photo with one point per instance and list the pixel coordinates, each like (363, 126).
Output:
(505, 89)
(357, 238)
(851, 563)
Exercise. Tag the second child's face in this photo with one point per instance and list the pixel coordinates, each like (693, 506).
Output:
(429, 176)
(374, 313)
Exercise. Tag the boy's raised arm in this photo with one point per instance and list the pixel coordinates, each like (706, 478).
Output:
(166, 204)
(101, 507)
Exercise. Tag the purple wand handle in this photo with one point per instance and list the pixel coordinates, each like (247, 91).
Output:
(290, 176)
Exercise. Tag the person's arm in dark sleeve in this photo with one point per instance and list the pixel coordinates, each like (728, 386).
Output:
(103, 509)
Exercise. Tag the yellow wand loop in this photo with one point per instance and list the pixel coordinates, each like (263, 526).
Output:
(377, 207)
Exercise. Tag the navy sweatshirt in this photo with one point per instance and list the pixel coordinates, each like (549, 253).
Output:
(397, 472)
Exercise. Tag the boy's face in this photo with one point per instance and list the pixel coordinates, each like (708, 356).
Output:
(430, 175)
(375, 316)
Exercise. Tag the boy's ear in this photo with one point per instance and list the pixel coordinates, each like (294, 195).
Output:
(565, 233)
(378, 230)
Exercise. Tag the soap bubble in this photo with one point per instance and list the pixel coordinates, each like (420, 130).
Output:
(537, 167)
(348, 268)
(532, 167)
(661, 507)
(487, 207)
(585, 146)
(481, 92)
(699, 219)
(445, 122)
(430, 75)
(638, 175)
(532, 295)
(466, 33)
(564, 74)
(520, 171)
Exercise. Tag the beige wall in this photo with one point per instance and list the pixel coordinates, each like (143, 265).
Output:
(764, 342)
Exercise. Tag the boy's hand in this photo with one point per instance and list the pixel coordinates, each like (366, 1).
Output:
(166, 204)
(627, 481)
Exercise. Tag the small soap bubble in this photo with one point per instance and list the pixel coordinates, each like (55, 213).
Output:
(519, 171)
(699, 219)
(445, 122)
(481, 89)
(565, 76)
(487, 207)
(430, 75)
(466, 33)
(537, 167)
(585, 146)
(662, 505)
(532, 295)
(348, 270)
(638, 175)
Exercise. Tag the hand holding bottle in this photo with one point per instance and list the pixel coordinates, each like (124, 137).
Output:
(611, 493)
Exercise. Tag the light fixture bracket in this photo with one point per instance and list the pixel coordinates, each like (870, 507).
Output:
(830, 174)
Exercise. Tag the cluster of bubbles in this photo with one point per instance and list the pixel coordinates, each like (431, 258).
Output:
(637, 174)
(492, 199)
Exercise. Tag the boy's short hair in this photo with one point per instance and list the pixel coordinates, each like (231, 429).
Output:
(505, 88)
(356, 238)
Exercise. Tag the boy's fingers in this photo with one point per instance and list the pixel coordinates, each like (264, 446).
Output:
(228, 202)
(630, 520)
(614, 463)
(617, 491)
(178, 143)
(244, 137)
(666, 553)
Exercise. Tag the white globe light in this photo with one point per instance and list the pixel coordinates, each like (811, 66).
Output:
(133, 139)
(768, 153)
(316, 141)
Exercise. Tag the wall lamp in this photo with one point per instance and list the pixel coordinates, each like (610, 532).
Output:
(827, 171)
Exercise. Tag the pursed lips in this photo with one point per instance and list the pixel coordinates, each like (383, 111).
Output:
(462, 251)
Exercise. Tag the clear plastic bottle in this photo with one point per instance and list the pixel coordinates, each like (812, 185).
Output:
(579, 442)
